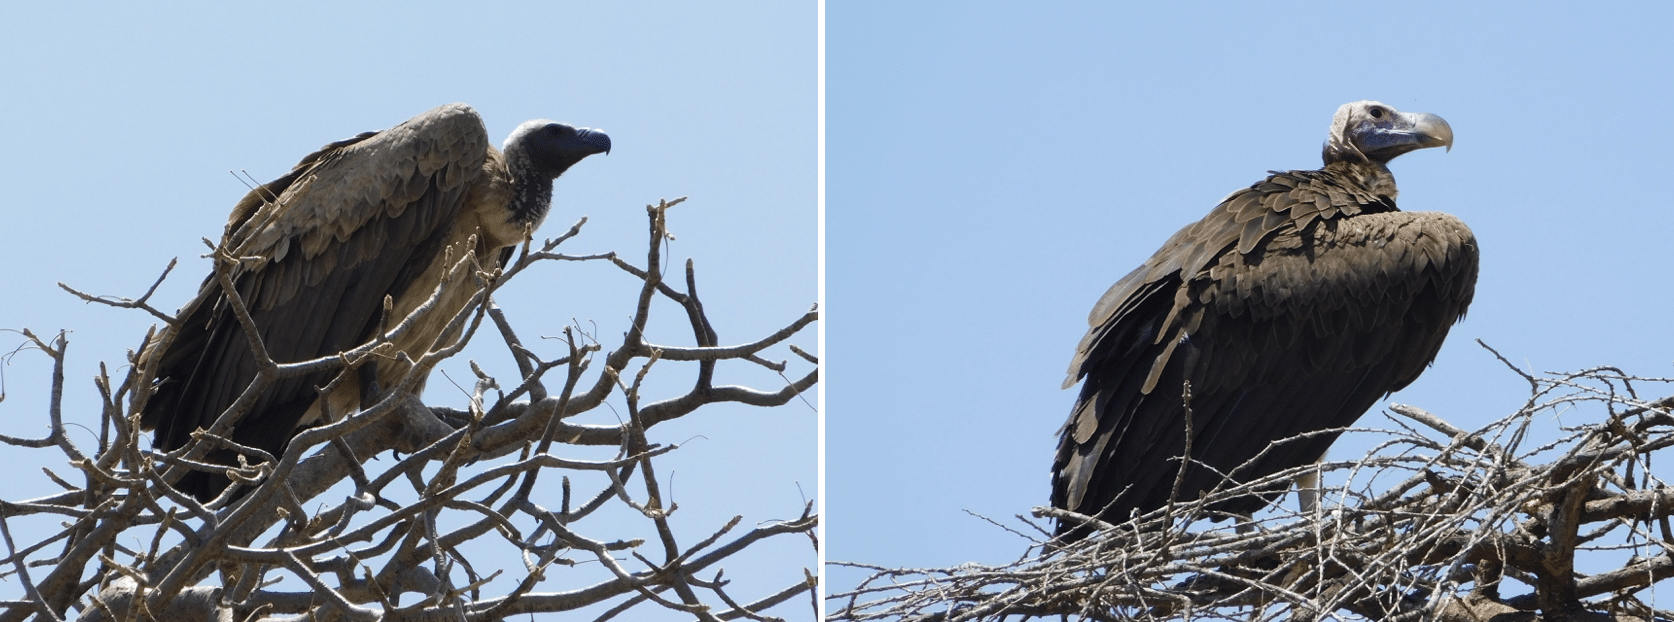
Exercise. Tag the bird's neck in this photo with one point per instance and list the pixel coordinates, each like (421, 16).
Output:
(531, 193)
(1373, 176)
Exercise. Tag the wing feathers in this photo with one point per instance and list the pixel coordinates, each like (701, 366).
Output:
(352, 223)
(344, 187)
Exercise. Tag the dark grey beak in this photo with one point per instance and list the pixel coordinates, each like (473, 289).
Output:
(601, 141)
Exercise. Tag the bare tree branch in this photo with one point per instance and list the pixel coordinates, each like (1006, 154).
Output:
(407, 541)
(1435, 523)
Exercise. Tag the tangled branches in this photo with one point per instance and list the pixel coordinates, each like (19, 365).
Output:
(1435, 523)
(427, 535)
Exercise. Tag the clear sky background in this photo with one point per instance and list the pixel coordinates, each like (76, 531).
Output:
(120, 124)
(993, 168)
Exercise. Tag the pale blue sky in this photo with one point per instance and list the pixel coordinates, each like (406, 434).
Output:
(993, 168)
(121, 122)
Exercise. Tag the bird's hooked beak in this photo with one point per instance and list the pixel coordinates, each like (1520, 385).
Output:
(1409, 131)
(1430, 130)
(601, 141)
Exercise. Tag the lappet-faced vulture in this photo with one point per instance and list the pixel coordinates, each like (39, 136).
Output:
(1290, 309)
(320, 248)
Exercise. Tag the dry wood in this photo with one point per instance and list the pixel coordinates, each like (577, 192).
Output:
(1549, 513)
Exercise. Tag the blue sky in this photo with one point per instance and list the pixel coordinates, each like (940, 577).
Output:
(120, 125)
(993, 168)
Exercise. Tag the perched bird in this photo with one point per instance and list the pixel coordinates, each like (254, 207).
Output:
(1290, 309)
(391, 213)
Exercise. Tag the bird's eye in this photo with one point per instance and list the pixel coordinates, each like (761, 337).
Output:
(1376, 112)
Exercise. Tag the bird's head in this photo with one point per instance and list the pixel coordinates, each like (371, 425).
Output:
(549, 148)
(1374, 132)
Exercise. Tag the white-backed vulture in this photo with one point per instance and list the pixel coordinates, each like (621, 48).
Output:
(319, 249)
(1291, 308)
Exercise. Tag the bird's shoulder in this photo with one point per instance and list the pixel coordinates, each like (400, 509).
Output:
(1284, 200)
(1367, 259)
(334, 191)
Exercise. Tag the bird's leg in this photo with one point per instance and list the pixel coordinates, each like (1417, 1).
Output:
(1243, 523)
(1307, 489)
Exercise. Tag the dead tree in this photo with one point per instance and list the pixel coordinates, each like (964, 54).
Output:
(469, 490)
(1550, 513)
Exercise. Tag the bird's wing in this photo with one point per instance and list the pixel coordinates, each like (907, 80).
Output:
(1289, 199)
(319, 250)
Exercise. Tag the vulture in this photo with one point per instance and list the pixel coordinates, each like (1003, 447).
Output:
(1288, 311)
(383, 214)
